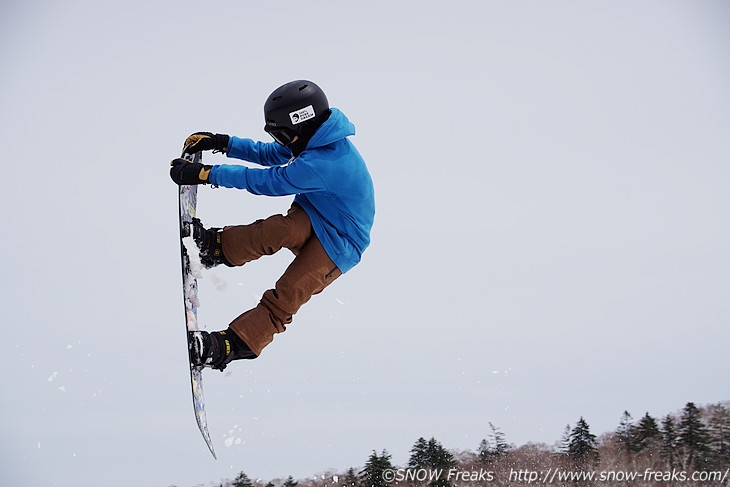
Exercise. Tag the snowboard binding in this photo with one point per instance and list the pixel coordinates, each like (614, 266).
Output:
(209, 243)
(216, 350)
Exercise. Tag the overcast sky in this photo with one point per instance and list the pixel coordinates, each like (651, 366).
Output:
(551, 238)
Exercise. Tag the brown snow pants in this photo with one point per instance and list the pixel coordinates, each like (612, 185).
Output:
(309, 273)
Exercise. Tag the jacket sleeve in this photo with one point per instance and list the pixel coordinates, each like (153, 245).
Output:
(262, 153)
(295, 178)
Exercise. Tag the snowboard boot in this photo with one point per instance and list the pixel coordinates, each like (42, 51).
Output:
(216, 349)
(209, 243)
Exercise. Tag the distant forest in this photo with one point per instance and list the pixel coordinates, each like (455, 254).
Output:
(690, 447)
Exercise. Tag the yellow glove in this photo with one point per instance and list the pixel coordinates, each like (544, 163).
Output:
(186, 172)
(200, 141)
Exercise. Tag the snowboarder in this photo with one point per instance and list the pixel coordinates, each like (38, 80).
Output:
(327, 227)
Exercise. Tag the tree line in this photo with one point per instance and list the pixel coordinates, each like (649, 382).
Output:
(696, 439)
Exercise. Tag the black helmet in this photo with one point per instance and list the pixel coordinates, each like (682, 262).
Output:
(297, 108)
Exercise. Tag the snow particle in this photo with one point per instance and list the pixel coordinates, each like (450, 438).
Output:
(220, 284)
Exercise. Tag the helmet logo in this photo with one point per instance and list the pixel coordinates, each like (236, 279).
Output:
(302, 115)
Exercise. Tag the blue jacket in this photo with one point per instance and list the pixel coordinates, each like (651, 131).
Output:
(329, 178)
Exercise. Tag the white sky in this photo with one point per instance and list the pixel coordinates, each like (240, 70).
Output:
(551, 241)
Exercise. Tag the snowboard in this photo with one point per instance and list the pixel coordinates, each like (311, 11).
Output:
(188, 199)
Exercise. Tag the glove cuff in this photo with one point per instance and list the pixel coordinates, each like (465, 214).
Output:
(220, 143)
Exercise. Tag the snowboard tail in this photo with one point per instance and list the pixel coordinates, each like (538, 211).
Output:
(188, 199)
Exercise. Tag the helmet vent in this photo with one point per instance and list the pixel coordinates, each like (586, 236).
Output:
(303, 87)
(276, 98)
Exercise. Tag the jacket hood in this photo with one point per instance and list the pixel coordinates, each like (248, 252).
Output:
(336, 127)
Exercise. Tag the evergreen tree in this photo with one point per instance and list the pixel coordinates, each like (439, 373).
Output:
(289, 482)
(669, 442)
(625, 433)
(582, 447)
(500, 446)
(564, 444)
(693, 438)
(440, 459)
(372, 474)
(484, 452)
(419, 454)
(719, 426)
(439, 456)
(646, 434)
(242, 480)
(493, 448)
(432, 455)
(269, 484)
(350, 479)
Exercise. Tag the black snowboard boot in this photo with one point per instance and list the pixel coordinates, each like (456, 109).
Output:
(217, 349)
(209, 243)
